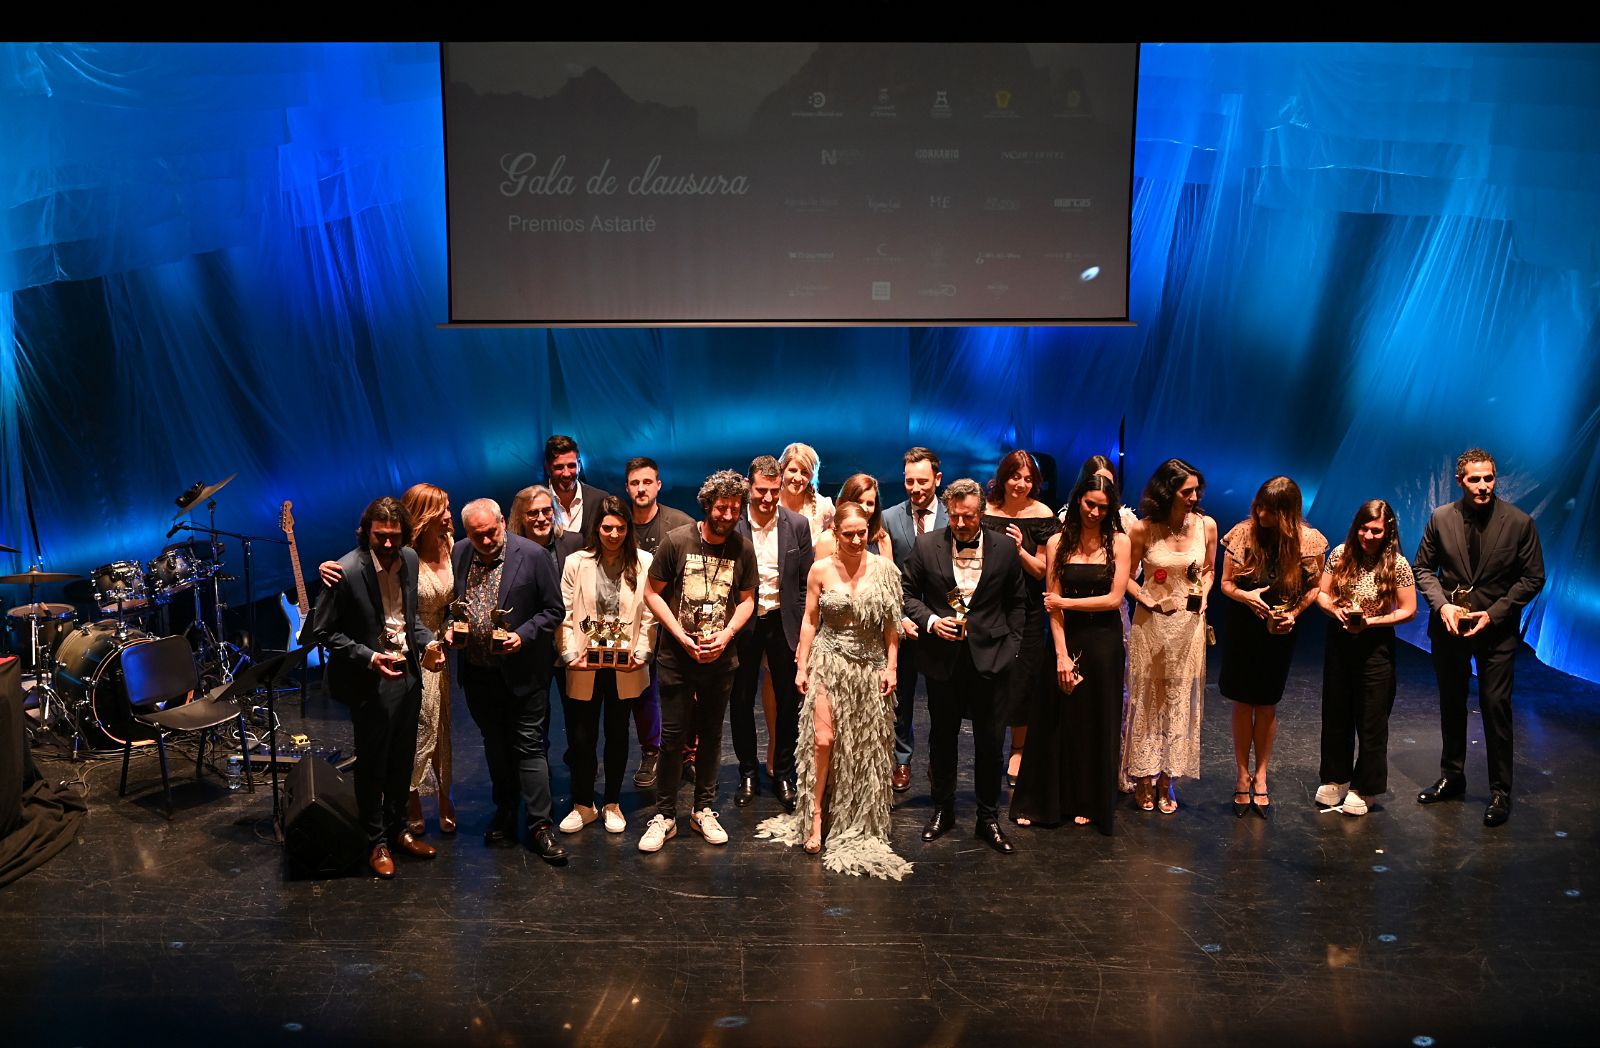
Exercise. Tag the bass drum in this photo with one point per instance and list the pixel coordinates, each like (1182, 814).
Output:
(89, 681)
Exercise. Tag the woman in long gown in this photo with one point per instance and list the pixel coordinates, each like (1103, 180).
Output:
(1012, 508)
(1175, 545)
(849, 644)
(1070, 768)
(1271, 566)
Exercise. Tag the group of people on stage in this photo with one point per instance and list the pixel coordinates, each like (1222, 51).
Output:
(1015, 617)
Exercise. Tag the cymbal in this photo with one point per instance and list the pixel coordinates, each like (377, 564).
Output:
(205, 493)
(42, 611)
(35, 577)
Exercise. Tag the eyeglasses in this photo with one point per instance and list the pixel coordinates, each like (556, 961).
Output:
(548, 511)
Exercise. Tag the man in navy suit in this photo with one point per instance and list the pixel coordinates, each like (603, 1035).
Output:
(376, 643)
(784, 554)
(964, 590)
(513, 606)
(919, 514)
(1479, 564)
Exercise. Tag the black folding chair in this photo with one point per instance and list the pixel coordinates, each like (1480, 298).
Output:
(161, 682)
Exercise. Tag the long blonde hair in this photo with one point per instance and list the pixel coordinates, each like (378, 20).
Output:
(427, 503)
(807, 456)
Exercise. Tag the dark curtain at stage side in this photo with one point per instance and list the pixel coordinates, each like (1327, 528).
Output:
(1349, 263)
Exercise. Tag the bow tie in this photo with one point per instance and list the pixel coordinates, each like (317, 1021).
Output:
(966, 545)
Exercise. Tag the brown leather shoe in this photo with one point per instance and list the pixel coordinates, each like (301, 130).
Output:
(381, 863)
(411, 846)
(902, 778)
(447, 813)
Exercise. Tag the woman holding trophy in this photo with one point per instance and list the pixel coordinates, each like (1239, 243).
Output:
(606, 640)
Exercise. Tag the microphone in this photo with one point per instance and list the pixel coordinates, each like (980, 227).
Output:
(186, 500)
(176, 528)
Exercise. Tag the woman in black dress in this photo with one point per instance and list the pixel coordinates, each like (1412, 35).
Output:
(1271, 563)
(1070, 768)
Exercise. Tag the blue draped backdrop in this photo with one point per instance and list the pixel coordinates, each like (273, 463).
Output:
(1349, 263)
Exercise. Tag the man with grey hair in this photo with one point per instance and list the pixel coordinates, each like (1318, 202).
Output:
(512, 600)
(702, 591)
(964, 591)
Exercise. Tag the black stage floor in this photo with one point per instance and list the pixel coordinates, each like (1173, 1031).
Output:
(1410, 926)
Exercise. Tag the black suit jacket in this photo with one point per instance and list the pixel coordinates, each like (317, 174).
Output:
(592, 497)
(1510, 564)
(531, 594)
(348, 621)
(796, 554)
(994, 619)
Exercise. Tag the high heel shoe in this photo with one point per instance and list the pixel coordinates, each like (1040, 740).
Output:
(1241, 810)
(1263, 810)
(812, 846)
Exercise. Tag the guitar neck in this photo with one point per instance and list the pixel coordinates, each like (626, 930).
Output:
(299, 579)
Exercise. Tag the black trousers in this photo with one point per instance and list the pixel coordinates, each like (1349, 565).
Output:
(1496, 658)
(386, 748)
(583, 718)
(1358, 688)
(765, 636)
(694, 704)
(967, 693)
(514, 743)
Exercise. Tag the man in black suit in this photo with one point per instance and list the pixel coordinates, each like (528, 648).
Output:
(1479, 564)
(966, 662)
(368, 623)
(919, 514)
(505, 672)
(577, 504)
(784, 554)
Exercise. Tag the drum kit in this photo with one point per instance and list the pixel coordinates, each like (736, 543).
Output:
(75, 669)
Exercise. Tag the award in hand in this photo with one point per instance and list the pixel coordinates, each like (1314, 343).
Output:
(1464, 598)
(502, 632)
(608, 647)
(458, 629)
(707, 622)
(1197, 592)
(1354, 617)
(958, 611)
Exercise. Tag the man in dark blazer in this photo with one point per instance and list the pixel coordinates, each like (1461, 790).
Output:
(505, 675)
(781, 539)
(1479, 564)
(966, 663)
(919, 514)
(577, 504)
(376, 645)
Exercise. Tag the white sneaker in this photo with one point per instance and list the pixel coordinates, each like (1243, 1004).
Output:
(1329, 794)
(660, 831)
(1354, 804)
(705, 821)
(615, 823)
(579, 817)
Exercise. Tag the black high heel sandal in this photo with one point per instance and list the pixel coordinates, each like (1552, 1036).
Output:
(1263, 810)
(1241, 810)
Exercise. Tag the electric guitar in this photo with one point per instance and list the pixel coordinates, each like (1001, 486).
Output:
(296, 614)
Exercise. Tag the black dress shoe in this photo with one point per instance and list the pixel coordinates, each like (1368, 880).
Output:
(1498, 811)
(786, 794)
(502, 828)
(989, 832)
(645, 777)
(939, 824)
(749, 786)
(1446, 789)
(543, 840)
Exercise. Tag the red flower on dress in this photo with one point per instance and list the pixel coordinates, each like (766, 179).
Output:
(1161, 574)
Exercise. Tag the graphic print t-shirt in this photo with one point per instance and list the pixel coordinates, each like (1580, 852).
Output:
(703, 582)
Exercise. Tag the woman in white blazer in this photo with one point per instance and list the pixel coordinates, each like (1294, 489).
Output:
(603, 586)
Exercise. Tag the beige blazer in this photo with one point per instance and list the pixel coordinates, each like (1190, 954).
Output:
(578, 594)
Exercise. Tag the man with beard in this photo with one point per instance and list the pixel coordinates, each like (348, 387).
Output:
(367, 621)
(1479, 564)
(577, 505)
(702, 592)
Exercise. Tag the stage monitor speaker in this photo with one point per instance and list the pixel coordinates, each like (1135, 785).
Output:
(321, 828)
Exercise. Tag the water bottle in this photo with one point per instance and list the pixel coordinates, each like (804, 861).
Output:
(235, 768)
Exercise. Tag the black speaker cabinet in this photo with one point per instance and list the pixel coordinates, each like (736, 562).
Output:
(321, 829)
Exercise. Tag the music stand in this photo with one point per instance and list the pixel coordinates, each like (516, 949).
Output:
(266, 673)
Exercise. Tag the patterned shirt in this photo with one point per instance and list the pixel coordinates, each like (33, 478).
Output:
(482, 596)
(1365, 588)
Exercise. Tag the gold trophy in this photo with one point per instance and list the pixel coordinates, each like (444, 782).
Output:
(1197, 592)
(958, 611)
(1462, 597)
(458, 628)
(607, 647)
(502, 632)
(707, 622)
(1354, 616)
(1280, 604)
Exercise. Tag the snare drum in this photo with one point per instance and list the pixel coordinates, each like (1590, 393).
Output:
(120, 583)
(54, 621)
(89, 681)
(174, 571)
